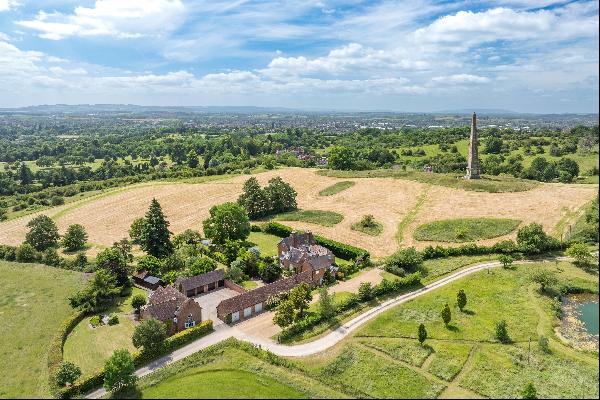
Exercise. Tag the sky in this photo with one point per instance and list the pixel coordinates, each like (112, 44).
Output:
(536, 56)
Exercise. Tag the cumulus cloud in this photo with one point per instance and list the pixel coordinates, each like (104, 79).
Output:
(5, 5)
(460, 79)
(117, 18)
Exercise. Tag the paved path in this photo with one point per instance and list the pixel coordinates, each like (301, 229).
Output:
(224, 331)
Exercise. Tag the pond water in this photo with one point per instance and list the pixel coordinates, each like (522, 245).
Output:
(588, 314)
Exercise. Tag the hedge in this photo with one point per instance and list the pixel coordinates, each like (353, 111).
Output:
(384, 288)
(139, 358)
(341, 250)
(472, 249)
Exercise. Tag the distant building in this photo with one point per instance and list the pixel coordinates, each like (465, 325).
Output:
(168, 305)
(300, 253)
(145, 280)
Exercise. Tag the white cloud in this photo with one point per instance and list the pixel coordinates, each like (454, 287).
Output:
(460, 79)
(117, 18)
(6, 5)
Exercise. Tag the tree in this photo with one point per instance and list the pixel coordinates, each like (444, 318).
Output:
(300, 297)
(43, 233)
(446, 314)
(461, 299)
(529, 391)
(99, 292)
(506, 260)
(137, 302)
(26, 253)
(136, 229)
(75, 238)
(235, 272)
(408, 260)
(150, 335)
(155, 237)
(199, 266)
(119, 371)
(341, 157)
(543, 277)
(493, 145)
(365, 291)
(567, 169)
(281, 196)
(25, 174)
(422, 334)
(284, 314)
(150, 264)
(502, 332)
(2, 212)
(112, 260)
(533, 239)
(228, 221)
(270, 272)
(325, 304)
(254, 199)
(581, 254)
(192, 159)
(67, 373)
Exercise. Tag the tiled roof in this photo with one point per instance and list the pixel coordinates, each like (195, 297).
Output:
(261, 294)
(201, 280)
(165, 294)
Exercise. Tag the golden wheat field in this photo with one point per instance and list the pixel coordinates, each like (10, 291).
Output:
(393, 202)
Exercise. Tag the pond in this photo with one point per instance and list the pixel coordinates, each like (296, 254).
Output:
(579, 322)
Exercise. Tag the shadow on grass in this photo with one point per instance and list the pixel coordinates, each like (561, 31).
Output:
(468, 312)
(453, 328)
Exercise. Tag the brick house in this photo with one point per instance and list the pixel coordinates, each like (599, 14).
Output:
(300, 253)
(253, 302)
(203, 283)
(168, 305)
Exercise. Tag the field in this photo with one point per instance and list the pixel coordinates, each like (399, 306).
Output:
(384, 360)
(317, 217)
(336, 188)
(462, 230)
(89, 347)
(400, 205)
(33, 304)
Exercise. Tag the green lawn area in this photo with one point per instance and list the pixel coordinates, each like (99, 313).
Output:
(462, 230)
(435, 268)
(336, 188)
(33, 305)
(374, 229)
(488, 183)
(249, 285)
(230, 370)
(319, 217)
(89, 347)
(266, 243)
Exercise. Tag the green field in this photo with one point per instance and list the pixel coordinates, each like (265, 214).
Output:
(319, 217)
(488, 183)
(373, 230)
(336, 188)
(89, 347)
(33, 305)
(462, 230)
(266, 243)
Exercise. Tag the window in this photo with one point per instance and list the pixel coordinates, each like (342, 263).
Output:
(189, 322)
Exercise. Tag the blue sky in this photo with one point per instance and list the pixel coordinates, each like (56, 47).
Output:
(421, 55)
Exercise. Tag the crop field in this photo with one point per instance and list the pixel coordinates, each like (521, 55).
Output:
(393, 203)
(33, 304)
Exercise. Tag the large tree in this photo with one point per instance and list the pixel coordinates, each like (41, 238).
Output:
(150, 336)
(113, 261)
(155, 238)
(227, 221)
(254, 199)
(75, 238)
(119, 371)
(43, 233)
(281, 195)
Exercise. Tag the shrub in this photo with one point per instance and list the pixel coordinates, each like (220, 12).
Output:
(446, 314)
(75, 238)
(544, 344)
(119, 371)
(150, 335)
(529, 391)
(43, 233)
(8, 253)
(188, 335)
(422, 334)
(67, 373)
(365, 291)
(138, 301)
(113, 320)
(407, 259)
(26, 253)
(502, 332)
(461, 299)
(50, 257)
(581, 254)
(95, 321)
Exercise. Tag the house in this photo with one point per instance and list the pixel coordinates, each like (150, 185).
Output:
(253, 302)
(145, 280)
(199, 284)
(300, 252)
(168, 305)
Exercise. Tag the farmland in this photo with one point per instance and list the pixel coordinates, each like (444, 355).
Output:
(108, 217)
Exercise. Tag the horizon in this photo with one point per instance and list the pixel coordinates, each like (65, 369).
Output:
(534, 56)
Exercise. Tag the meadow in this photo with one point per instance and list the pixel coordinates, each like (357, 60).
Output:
(33, 304)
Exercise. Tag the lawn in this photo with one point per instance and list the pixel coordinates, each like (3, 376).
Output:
(373, 229)
(462, 230)
(437, 267)
(336, 188)
(319, 217)
(266, 243)
(89, 347)
(33, 305)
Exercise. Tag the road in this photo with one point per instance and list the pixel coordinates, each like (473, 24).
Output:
(224, 331)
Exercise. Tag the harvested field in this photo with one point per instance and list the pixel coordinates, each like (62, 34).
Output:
(108, 218)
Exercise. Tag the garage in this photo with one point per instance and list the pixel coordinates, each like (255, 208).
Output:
(235, 317)
(247, 312)
(258, 308)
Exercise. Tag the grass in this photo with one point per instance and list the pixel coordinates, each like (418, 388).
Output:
(448, 359)
(409, 351)
(249, 285)
(319, 217)
(266, 243)
(462, 230)
(373, 229)
(33, 305)
(411, 215)
(492, 184)
(89, 347)
(434, 269)
(336, 188)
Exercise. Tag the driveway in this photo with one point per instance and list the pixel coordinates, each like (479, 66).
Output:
(211, 300)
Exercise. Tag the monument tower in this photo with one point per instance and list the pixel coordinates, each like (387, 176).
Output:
(473, 168)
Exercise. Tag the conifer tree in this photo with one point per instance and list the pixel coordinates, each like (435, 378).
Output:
(156, 237)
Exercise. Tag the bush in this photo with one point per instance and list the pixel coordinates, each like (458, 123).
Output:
(8, 253)
(50, 257)
(95, 321)
(405, 259)
(150, 335)
(113, 320)
(26, 253)
(67, 373)
(119, 371)
(502, 332)
(75, 238)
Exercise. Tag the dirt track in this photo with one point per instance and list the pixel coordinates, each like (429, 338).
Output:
(108, 218)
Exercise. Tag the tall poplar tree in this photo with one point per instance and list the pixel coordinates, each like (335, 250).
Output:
(156, 237)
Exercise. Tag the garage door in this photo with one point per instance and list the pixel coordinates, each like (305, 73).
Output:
(247, 312)
(258, 308)
(235, 317)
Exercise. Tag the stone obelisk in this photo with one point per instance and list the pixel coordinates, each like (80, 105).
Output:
(473, 168)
